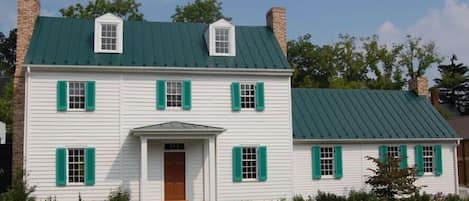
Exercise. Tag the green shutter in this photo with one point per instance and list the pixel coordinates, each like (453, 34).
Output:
(260, 102)
(90, 95)
(161, 94)
(419, 159)
(438, 161)
(60, 166)
(383, 153)
(235, 96)
(90, 166)
(403, 157)
(262, 154)
(186, 95)
(338, 162)
(61, 95)
(316, 159)
(237, 164)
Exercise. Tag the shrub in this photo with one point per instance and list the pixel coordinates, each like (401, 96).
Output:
(329, 197)
(361, 196)
(19, 190)
(79, 197)
(119, 195)
(298, 198)
(51, 199)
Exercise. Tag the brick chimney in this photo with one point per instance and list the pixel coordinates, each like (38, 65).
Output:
(419, 85)
(28, 10)
(277, 21)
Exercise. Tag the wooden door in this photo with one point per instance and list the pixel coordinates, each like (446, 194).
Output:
(174, 176)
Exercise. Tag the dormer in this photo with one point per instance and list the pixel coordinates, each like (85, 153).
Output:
(221, 38)
(108, 36)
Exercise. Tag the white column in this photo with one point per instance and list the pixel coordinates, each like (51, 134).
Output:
(143, 166)
(206, 171)
(212, 168)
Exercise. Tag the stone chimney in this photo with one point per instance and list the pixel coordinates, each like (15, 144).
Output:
(277, 21)
(419, 85)
(28, 10)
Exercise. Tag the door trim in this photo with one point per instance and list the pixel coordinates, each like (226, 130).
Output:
(163, 151)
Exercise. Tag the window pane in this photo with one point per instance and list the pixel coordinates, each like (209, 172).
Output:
(173, 93)
(76, 95)
(249, 162)
(76, 165)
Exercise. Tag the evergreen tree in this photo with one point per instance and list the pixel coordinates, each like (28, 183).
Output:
(452, 75)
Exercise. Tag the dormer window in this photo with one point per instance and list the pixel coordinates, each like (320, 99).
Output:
(222, 42)
(220, 38)
(108, 36)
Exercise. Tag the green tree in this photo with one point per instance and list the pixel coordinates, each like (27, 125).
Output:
(8, 53)
(390, 181)
(126, 9)
(6, 109)
(418, 57)
(19, 190)
(200, 11)
(452, 75)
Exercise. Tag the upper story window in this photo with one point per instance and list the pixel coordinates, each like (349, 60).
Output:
(76, 165)
(174, 93)
(248, 95)
(327, 161)
(108, 35)
(76, 95)
(428, 164)
(220, 38)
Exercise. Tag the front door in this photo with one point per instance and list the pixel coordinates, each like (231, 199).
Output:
(174, 176)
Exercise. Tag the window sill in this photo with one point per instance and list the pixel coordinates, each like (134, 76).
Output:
(75, 184)
(328, 177)
(250, 181)
(76, 110)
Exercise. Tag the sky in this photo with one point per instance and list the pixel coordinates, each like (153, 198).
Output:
(444, 21)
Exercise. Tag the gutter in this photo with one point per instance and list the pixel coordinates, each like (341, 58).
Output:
(370, 141)
(159, 69)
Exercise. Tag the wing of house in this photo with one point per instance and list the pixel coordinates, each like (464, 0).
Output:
(174, 111)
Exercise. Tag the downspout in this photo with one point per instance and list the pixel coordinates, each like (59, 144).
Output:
(456, 178)
(26, 122)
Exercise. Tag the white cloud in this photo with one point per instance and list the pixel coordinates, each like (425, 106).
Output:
(448, 27)
(7, 16)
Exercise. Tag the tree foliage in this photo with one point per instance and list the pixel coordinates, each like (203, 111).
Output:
(452, 75)
(390, 181)
(200, 11)
(19, 190)
(418, 57)
(8, 53)
(126, 9)
(348, 63)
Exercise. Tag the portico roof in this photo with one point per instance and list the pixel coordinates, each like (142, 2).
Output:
(176, 127)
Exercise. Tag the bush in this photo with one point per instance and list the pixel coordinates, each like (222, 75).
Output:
(119, 195)
(51, 199)
(19, 190)
(361, 196)
(329, 197)
(298, 198)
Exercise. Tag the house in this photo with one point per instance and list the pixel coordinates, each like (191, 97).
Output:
(174, 111)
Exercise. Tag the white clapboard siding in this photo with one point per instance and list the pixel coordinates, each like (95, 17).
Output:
(355, 170)
(127, 100)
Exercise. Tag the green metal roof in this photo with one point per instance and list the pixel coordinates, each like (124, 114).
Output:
(177, 125)
(365, 114)
(61, 41)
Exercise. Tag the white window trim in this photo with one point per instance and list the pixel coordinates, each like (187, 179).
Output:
(257, 163)
(108, 19)
(222, 24)
(84, 166)
(241, 94)
(433, 160)
(394, 146)
(68, 97)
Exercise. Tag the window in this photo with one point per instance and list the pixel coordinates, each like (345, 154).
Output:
(109, 36)
(427, 158)
(173, 95)
(393, 152)
(249, 163)
(222, 42)
(327, 161)
(76, 165)
(76, 97)
(248, 97)
(175, 146)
